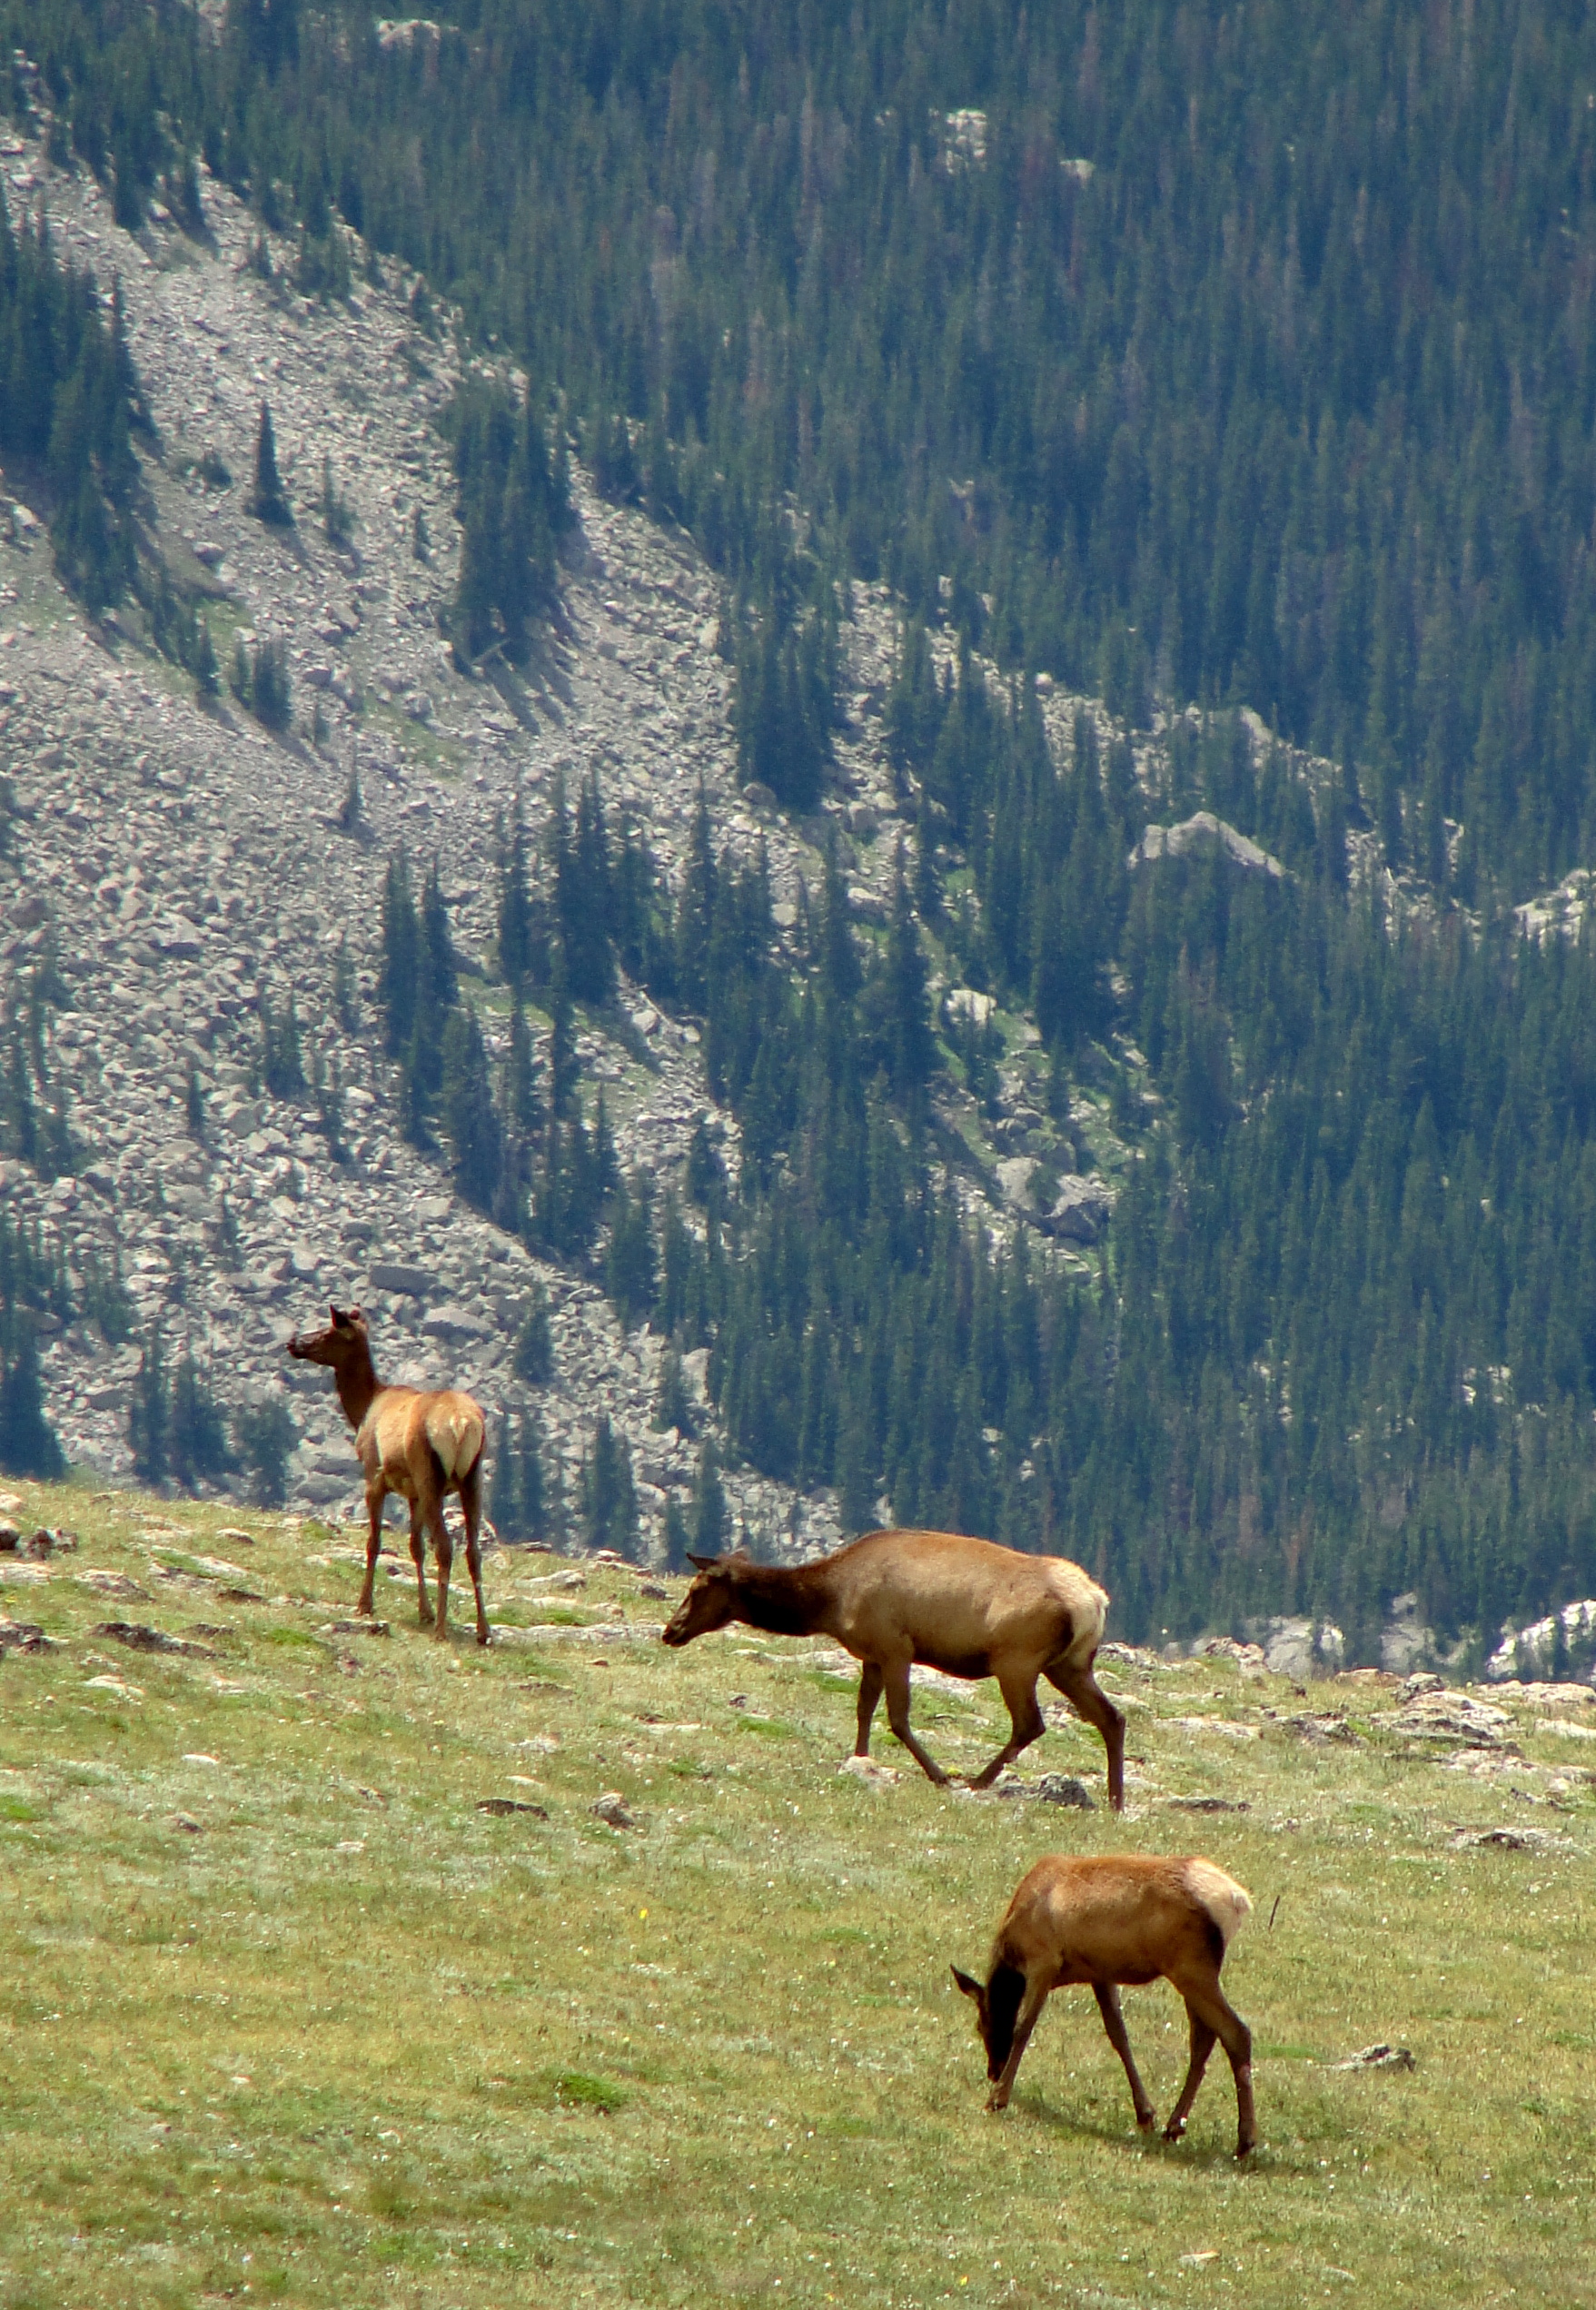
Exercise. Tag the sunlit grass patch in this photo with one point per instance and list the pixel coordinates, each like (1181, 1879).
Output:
(399, 2051)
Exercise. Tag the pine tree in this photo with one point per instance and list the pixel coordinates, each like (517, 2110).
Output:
(198, 1440)
(631, 1276)
(679, 1538)
(207, 677)
(345, 988)
(468, 1115)
(708, 1516)
(608, 1496)
(266, 1437)
(150, 1413)
(673, 1404)
(400, 978)
(533, 1355)
(515, 918)
(29, 1445)
(268, 502)
(563, 1064)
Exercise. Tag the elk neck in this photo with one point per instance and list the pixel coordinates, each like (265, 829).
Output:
(357, 1384)
(784, 1600)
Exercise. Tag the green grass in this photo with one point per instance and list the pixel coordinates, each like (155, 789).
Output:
(342, 2036)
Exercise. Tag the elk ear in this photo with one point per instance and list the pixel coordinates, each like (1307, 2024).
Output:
(337, 1315)
(704, 1563)
(962, 1981)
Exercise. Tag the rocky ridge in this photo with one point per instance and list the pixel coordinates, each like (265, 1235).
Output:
(180, 863)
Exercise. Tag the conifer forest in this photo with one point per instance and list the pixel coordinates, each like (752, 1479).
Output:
(1233, 365)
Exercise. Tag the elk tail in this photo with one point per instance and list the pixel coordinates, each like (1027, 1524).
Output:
(455, 1434)
(1222, 1899)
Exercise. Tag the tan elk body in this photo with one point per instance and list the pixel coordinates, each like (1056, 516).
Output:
(422, 1444)
(943, 1600)
(1114, 1923)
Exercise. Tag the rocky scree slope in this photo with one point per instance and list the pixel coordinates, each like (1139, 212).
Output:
(180, 863)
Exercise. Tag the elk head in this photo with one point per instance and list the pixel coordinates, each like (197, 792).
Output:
(996, 2009)
(345, 1336)
(711, 1603)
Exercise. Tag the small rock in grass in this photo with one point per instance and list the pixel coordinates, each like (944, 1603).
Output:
(113, 1584)
(356, 1628)
(139, 1638)
(1053, 1789)
(1207, 1805)
(867, 1770)
(500, 1805)
(23, 1635)
(1507, 1840)
(9, 1536)
(236, 1532)
(1379, 2058)
(187, 1822)
(47, 1542)
(612, 1809)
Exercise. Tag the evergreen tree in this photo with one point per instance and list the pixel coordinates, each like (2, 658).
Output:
(399, 981)
(608, 1496)
(630, 1262)
(673, 1404)
(29, 1445)
(533, 1355)
(678, 1537)
(515, 913)
(150, 1413)
(266, 1438)
(708, 1515)
(267, 503)
(468, 1115)
(197, 1440)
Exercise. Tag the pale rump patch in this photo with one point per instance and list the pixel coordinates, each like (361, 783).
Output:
(456, 1436)
(1226, 1902)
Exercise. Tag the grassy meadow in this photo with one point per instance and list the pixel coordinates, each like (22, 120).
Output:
(287, 2015)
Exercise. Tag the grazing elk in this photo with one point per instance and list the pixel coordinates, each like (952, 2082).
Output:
(1114, 1923)
(965, 1606)
(419, 1444)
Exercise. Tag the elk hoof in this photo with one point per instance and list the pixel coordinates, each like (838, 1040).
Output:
(482, 1637)
(997, 2103)
(1174, 2129)
(1148, 2121)
(1246, 2149)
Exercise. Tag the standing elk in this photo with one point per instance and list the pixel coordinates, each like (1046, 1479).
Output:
(1114, 1923)
(965, 1606)
(421, 1444)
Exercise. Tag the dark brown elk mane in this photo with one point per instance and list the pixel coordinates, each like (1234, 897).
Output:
(943, 1600)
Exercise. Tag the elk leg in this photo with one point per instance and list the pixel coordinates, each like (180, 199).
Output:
(1029, 1724)
(445, 1548)
(1202, 2038)
(1081, 1688)
(1107, 1997)
(418, 1557)
(1208, 2005)
(1026, 2020)
(470, 1500)
(869, 1694)
(375, 1495)
(897, 1682)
